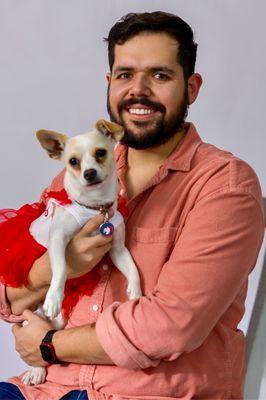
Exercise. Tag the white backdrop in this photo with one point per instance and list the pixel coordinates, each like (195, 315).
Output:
(52, 75)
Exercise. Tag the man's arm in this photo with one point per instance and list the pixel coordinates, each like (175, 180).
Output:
(78, 345)
(82, 254)
(28, 297)
(208, 267)
(207, 270)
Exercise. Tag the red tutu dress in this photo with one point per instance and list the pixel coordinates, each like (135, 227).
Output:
(19, 249)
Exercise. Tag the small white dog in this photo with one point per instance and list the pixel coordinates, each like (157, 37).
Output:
(91, 183)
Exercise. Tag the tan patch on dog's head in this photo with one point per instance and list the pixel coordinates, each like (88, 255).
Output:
(100, 155)
(108, 128)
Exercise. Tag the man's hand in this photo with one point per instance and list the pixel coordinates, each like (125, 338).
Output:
(28, 338)
(82, 254)
(78, 345)
(85, 251)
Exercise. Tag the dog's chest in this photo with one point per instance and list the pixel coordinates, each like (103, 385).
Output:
(73, 218)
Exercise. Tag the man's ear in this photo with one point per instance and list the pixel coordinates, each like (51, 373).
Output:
(53, 142)
(194, 84)
(108, 128)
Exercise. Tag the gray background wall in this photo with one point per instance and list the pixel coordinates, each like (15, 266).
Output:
(52, 75)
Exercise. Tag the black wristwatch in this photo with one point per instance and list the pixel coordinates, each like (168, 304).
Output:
(48, 350)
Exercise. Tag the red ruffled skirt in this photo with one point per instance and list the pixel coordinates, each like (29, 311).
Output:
(19, 250)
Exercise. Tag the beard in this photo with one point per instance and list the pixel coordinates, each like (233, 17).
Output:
(152, 135)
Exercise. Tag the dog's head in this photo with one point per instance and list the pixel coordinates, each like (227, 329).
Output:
(89, 157)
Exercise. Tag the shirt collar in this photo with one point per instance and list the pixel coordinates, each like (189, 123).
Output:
(179, 160)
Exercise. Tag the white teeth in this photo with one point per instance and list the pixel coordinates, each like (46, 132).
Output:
(140, 111)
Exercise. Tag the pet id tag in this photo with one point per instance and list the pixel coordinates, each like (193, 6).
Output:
(106, 228)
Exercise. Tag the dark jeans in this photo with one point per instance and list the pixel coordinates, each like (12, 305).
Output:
(8, 391)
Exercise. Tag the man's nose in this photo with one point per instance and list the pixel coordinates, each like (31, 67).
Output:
(140, 86)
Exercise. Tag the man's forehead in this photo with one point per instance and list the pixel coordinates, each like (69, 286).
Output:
(152, 49)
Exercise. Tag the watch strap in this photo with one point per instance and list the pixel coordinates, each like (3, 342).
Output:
(49, 336)
(47, 348)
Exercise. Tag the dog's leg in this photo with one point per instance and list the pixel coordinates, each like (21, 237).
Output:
(124, 262)
(54, 297)
(62, 229)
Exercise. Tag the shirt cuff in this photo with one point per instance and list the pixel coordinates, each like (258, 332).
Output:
(5, 310)
(114, 342)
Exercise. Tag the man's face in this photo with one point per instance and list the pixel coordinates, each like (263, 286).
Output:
(147, 92)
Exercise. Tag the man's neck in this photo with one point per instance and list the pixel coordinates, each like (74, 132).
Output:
(142, 165)
(155, 155)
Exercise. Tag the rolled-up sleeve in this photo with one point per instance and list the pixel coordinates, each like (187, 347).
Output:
(5, 310)
(208, 267)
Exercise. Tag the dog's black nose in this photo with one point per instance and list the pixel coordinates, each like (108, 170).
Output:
(90, 174)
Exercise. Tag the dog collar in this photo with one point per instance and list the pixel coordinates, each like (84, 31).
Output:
(103, 208)
(106, 228)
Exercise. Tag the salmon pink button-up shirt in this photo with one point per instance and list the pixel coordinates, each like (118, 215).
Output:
(194, 232)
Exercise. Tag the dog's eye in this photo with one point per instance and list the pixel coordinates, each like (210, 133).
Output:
(74, 162)
(100, 153)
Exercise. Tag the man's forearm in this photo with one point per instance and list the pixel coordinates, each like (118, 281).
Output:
(80, 345)
(28, 297)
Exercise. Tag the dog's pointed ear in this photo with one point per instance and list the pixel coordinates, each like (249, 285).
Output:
(108, 128)
(53, 142)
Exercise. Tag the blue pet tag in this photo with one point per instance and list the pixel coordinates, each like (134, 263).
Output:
(106, 229)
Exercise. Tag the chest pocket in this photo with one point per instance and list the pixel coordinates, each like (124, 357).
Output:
(151, 249)
(158, 235)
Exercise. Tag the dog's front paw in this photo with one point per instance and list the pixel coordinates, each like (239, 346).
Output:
(34, 376)
(133, 290)
(53, 303)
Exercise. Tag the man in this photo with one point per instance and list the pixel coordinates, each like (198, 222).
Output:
(194, 228)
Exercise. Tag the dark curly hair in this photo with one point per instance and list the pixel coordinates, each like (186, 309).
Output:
(134, 23)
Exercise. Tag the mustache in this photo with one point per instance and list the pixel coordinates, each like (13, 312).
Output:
(143, 101)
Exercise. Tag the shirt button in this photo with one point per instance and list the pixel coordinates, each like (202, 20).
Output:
(105, 267)
(95, 307)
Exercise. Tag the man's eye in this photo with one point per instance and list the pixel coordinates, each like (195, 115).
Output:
(100, 153)
(124, 75)
(74, 162)
(160, 76)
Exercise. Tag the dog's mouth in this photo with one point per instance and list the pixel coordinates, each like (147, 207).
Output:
(98, 182)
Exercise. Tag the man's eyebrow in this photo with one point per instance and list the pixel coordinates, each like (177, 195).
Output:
(121, 68)
(156, 68)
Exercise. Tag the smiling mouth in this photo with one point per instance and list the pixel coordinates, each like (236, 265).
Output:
(141, 112)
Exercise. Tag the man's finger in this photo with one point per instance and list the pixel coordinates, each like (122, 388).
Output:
(100, 251)
(92, 225)
(15, 328)
(99, 240)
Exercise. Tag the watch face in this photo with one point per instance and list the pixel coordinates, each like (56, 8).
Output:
(48, 353)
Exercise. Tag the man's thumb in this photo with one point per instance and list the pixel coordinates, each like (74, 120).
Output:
(27, 315)
(93, 224)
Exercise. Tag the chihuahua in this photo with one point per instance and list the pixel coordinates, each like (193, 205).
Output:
(91, 184)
